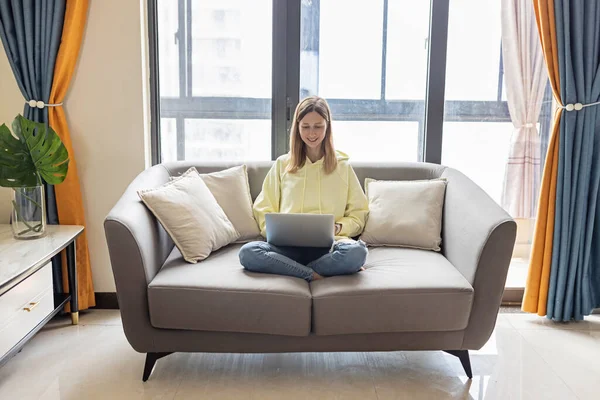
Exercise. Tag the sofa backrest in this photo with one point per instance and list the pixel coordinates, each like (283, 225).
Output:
(258, 170)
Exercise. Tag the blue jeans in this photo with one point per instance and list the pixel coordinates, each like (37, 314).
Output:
(345, 258)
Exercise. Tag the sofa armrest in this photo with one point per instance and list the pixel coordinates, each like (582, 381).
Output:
(478, 237)
(138, 247)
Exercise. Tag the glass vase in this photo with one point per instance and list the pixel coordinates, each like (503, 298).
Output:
(28, 218)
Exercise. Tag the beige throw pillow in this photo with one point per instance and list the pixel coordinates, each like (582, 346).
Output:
(405, 213)
(190, 214)
(232, 191)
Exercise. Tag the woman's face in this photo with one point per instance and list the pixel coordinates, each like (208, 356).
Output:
(312, 129)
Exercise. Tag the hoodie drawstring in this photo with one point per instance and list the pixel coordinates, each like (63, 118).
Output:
(303, 190)
(319, 173)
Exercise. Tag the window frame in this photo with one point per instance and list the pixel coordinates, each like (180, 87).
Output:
(286, 87)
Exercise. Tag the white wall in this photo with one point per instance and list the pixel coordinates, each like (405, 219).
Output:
(11, 104)
(106, 113)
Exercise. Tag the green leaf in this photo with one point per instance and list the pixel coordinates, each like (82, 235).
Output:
(33, 153)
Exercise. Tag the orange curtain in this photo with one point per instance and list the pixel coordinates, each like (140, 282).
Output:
(538, 278)
(68, 194)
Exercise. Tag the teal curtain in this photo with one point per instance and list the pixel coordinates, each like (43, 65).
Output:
(30, 31)
(574, 288)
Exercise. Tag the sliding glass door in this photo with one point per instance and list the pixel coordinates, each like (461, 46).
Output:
(360, 64)
(477, 127)
(406, 81)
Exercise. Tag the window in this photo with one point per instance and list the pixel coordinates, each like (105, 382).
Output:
(215, 63)
(373, 92)
(477, 125)
(232, 71)
(217, 75)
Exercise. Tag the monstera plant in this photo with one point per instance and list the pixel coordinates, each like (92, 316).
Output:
(29, 156)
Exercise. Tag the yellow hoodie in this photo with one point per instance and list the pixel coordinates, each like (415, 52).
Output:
(311, 191)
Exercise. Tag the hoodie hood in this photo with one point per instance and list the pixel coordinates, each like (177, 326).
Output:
(339, 155)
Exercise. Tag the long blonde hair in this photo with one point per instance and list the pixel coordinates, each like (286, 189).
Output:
(297, 146)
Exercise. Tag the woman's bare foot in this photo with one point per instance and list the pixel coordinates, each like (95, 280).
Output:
(316, 276)
(362, 269)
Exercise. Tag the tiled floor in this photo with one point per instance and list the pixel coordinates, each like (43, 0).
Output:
(527, 357)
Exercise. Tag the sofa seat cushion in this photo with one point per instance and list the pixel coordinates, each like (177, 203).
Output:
(217, 294)
(401, 290)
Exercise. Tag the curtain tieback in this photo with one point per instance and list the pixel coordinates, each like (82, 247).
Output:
(578, 106)
(528, 125)
(41, 104)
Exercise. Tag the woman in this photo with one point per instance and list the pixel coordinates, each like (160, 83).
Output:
(311, 178)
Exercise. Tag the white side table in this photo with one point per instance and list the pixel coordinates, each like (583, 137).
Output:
(27, 299)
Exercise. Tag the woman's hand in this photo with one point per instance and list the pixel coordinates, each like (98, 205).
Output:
(338, 229)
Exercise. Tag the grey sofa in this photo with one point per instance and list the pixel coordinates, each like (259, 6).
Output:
(405, 300)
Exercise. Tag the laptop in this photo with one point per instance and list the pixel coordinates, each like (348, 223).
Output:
(300, 230)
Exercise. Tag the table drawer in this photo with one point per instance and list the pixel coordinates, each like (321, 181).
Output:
(13, 301)
(21, 324)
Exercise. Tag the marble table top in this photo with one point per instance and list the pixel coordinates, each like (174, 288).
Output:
(21, 258)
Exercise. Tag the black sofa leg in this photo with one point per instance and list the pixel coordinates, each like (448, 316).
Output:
(463, 356)
(151, 359)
